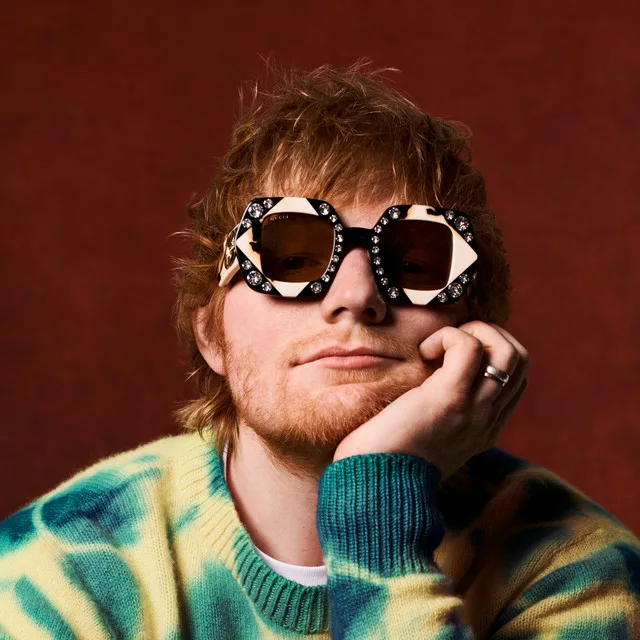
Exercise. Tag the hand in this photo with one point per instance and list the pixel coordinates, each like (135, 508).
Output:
(456, 412)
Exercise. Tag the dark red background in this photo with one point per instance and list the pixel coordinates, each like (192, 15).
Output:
(113, 112)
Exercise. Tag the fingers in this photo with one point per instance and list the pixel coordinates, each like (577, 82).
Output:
(518, 382)
(462, 354)
(507, 411)
(467, 350)
(499, 352)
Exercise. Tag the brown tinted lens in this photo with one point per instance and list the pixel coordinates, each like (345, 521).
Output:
(417, 254)
(295, 247)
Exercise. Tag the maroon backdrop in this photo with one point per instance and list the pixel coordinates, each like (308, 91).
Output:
(112, 114)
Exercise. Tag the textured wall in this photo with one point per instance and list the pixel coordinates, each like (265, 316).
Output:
(113, 112)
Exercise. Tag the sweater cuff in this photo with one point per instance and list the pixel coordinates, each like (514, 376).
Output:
(378, 512)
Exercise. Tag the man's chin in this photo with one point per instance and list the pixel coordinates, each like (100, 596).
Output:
(343, 408)
(323, 418)
(311, 418)
(306, 434)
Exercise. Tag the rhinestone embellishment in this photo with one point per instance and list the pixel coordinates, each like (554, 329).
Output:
(449, 215)
(325, 209)
(464, 278)
(331, 268)
(394, 213)
(339, 238)
(335, 258)
(246, 223)
(256, 210)
(377, 260)
(380, 271)
(375, 249)
(455, 290)
(377, 228)
(384, 220)
(325, 278)
(316, 287)
(393, 292)
(338, 227)
(461, 223)
(266, 286)
(246, 265)
(254, 278)
(384, 282)
(442, 297)
(338, 248)
(267, 204)
(333, 218)
(468, 237)
(375, 239)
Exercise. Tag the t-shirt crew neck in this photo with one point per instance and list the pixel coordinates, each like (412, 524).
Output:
(308, 576)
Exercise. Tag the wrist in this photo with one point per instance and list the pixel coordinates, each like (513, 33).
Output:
(379, 512)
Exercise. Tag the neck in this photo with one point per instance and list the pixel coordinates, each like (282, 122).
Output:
(276, 500)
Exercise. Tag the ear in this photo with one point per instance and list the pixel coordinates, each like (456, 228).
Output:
(208, 347)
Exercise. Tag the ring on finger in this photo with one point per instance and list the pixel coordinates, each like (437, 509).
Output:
(498, 375)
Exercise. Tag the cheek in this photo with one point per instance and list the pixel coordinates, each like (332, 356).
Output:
(423, 322)
(458, 313)
(241, 323)
(254, 330)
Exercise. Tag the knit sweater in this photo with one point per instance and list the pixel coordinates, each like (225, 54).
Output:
(148, 544)
(297, 573)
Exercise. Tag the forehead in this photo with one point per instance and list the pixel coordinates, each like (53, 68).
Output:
(355, 213)
(361, 214)
(359, 199)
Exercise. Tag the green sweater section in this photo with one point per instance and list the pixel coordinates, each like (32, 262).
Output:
(148, 544)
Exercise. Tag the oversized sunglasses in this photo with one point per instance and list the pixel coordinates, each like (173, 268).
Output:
(293, 247)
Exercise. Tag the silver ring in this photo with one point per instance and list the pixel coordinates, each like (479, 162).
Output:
(496, 374)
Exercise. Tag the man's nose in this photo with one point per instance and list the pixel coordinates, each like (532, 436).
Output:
(353, 291)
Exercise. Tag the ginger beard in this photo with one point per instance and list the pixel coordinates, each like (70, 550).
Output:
(301, 413)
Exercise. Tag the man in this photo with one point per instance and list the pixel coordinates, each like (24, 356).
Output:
(344, 312)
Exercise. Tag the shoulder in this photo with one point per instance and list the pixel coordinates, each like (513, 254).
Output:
(81, 556)
(528, 515)
(546, 540)
(505, 495)
(104, 502)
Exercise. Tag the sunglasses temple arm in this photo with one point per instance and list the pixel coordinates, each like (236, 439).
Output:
(228, 265)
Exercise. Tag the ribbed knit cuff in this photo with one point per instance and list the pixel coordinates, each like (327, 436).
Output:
(378, 512)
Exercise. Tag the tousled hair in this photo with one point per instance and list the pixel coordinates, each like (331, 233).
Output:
(345, 136)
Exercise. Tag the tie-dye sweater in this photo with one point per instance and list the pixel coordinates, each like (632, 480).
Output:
(148, 544)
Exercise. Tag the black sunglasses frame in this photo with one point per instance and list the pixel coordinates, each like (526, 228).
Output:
(242, 247)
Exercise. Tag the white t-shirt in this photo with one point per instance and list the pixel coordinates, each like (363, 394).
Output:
(309, 576)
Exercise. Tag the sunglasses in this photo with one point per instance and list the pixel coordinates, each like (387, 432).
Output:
(293, 247)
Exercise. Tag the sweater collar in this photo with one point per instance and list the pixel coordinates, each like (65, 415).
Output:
(293, 606)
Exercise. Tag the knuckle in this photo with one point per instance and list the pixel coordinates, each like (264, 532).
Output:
(472, 343)
(478, 324)
(513, 360)
(520, 362)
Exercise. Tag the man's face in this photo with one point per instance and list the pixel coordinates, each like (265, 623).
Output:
(303, 410)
